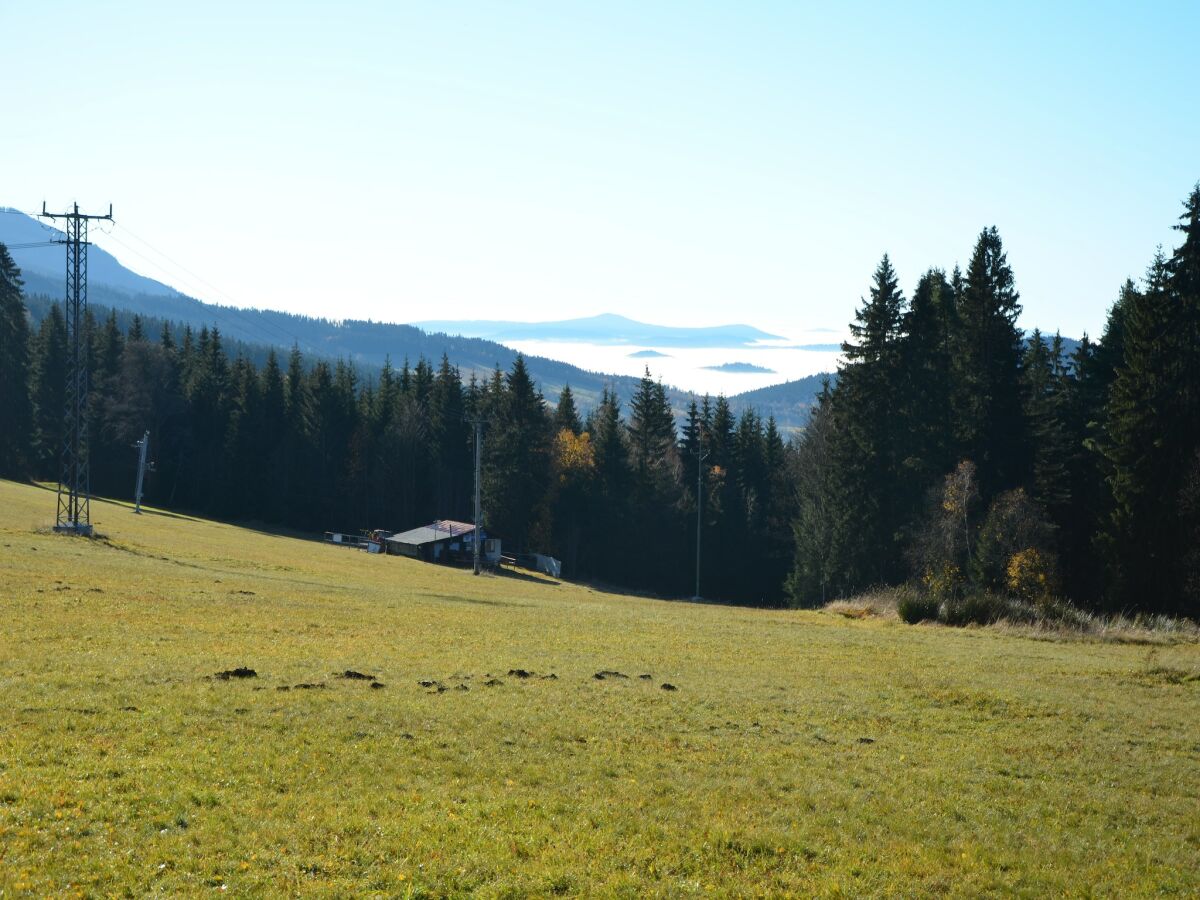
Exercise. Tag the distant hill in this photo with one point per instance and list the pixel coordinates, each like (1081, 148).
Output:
(649, 354)
(789, 402)
(45, 265)
(741, 368)
(253, 331)
(604, 329)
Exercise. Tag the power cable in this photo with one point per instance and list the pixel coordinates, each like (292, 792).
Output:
(263, 328)
(233, 305)
(216, 310)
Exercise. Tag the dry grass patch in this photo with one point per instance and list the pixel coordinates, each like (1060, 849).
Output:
(1055, 622)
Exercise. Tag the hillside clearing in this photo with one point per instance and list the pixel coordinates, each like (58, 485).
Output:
(801, 752)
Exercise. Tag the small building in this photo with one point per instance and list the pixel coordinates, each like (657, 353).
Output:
(444, 541)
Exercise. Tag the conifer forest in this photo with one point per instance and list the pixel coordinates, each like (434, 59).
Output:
(953, 452)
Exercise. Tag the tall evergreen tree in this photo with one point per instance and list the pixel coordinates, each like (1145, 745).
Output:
(565, 413)
(1045, 382)
(987, 356)
(48, 389)
(16, 410)
(450, 444)
(654, 461)
(927, 360)
(517, 458)
(1153, 429)
(819, 512)
(869, 437)
(609, 531)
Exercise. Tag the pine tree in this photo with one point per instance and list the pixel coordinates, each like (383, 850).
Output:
(987, 370)
(16, 410)
(927, 361)
(1045, 382)
(270, 432)
(298, 447)
(109, 455)
(608, 531)
(565, 413)
(148, 396)
(818, 522)
(655, 486)
(1153, 429)
(867, 442)
(777, 503)
(48, 389)
(517, 459)
(450, 444)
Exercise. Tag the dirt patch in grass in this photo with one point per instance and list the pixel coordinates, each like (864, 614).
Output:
(239, 672)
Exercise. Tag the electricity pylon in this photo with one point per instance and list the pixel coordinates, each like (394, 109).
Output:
(74, 481)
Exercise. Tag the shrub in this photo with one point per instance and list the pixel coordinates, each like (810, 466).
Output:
(1030, 575)
(983, 608)
(913, 607)
(942, 544)
(943, 582)
(1014, 525)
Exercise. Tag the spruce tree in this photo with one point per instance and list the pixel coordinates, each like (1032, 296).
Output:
(778, 510)
(987, 370)
(565, 414)
(1043, 377)
(654, 461)
(109, 455)
(16, 411)
(48, 389)
(869, 436)
(609, 532)
(819, 510)
(517, 459)
(450, 444)
(1153, 430)
(927, 360)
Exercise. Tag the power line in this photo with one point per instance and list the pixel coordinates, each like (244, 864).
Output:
(261, 328)
(31, 245)
(217, 310)
(233, 305)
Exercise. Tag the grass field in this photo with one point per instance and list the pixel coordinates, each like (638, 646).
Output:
(801, 753)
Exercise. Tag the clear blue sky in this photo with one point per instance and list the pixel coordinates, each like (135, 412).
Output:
(677, 162)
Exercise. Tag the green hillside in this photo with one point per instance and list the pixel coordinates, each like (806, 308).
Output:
(801, 753)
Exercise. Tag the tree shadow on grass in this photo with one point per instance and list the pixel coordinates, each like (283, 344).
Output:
(525, 576)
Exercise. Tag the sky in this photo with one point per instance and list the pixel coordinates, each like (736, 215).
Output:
(681, 163)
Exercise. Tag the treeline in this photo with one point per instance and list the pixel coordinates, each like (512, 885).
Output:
(954, 455)
(957, 456)
(316, 447)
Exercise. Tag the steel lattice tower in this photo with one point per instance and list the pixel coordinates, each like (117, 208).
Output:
(74, 482)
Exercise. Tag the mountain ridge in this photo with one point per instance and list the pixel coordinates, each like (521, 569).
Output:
(367, 344)
(604, 328)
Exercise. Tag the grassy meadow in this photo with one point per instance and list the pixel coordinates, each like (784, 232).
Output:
(801, 753)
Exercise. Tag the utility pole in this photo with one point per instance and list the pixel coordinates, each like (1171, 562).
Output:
(478, 539)
(74, 514)
(143, 446)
